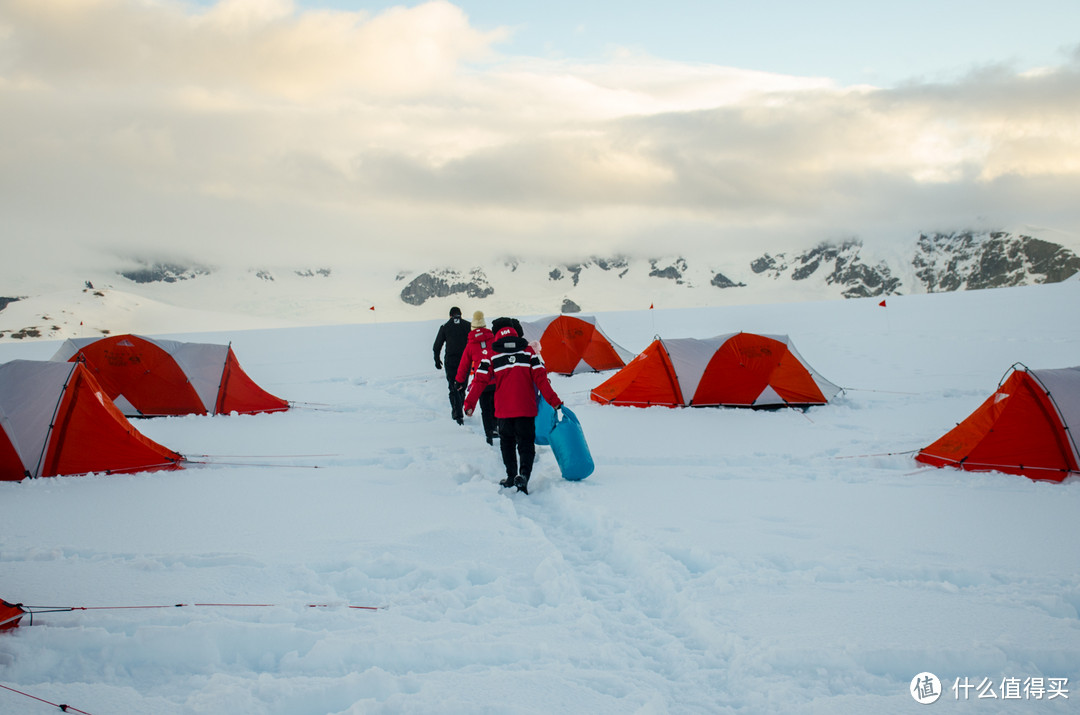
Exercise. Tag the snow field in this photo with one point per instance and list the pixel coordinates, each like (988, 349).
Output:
(717, 561)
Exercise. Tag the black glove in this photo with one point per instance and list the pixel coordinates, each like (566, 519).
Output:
(438, 364)
(461, 387)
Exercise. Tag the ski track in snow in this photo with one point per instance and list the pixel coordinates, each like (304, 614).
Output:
(595, 572)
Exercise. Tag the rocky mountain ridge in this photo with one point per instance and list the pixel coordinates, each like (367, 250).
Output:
(932, 262)
(939, 262)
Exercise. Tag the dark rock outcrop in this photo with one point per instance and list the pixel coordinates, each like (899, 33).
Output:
(968, 261)
(445, 283)
(163, 273)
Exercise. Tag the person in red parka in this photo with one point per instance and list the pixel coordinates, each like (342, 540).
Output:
(479, 346)
(518, 373)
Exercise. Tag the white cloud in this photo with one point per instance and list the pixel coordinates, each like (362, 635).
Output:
(265, 48)
(256, 125)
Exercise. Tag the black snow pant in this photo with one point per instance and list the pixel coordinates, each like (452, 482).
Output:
(457, 397)
(487, 412)
(517, 438)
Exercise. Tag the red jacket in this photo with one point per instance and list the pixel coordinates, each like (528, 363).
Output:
(479, 346)
(518, 373)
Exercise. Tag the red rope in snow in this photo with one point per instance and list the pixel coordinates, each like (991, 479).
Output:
(969, 466)
(31, 610)
(253, 464)
(879, 454)
(883, 392)
(61, 706)
(260, 456)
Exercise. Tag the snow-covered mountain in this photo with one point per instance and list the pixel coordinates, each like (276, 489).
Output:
(276, 296)
(939, 263)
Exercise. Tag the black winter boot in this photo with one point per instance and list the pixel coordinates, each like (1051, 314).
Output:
(522, 483)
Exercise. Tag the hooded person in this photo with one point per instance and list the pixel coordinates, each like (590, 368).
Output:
(454, 334)
(518, 373)
(481, 340)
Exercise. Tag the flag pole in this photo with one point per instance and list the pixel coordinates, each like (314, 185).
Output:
(888, 316)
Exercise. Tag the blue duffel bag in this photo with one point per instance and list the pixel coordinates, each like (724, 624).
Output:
(567, 442)
(545, 420)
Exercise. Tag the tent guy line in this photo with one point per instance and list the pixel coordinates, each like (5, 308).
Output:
(30, 611)
(883, 392)
(879, 454)
(61, 706)
(250, 464)
(259, 456)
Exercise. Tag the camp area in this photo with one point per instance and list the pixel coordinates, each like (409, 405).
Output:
(732, 560)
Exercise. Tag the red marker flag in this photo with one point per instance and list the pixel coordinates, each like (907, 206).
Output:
(882, 304)
(650, 306)
(371, 308)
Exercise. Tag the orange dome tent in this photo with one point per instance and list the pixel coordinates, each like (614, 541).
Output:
(736, 370)
(1026, 427)
(55, 420)
(572, 344)
(150, 377)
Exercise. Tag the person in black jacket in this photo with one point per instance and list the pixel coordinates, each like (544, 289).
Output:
(454, 334)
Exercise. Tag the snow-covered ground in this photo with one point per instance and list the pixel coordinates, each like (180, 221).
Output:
(718, 560)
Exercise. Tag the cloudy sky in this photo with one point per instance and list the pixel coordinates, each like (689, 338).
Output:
(260, 131)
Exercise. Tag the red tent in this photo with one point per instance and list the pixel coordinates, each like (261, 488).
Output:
(149, 377)
(738, 370)
(1027, 427)
(9, 614)
(571, 344)
(11, 465)
(55, 419)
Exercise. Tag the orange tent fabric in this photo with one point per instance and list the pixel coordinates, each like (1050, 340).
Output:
(1026, 427)
(239, 393)
(11, 466)
(572, 344)
(57, 420)
(649, 379)
(738, 369)
(9, 615)
(152, 377)
(145, 375)
(747, 367)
